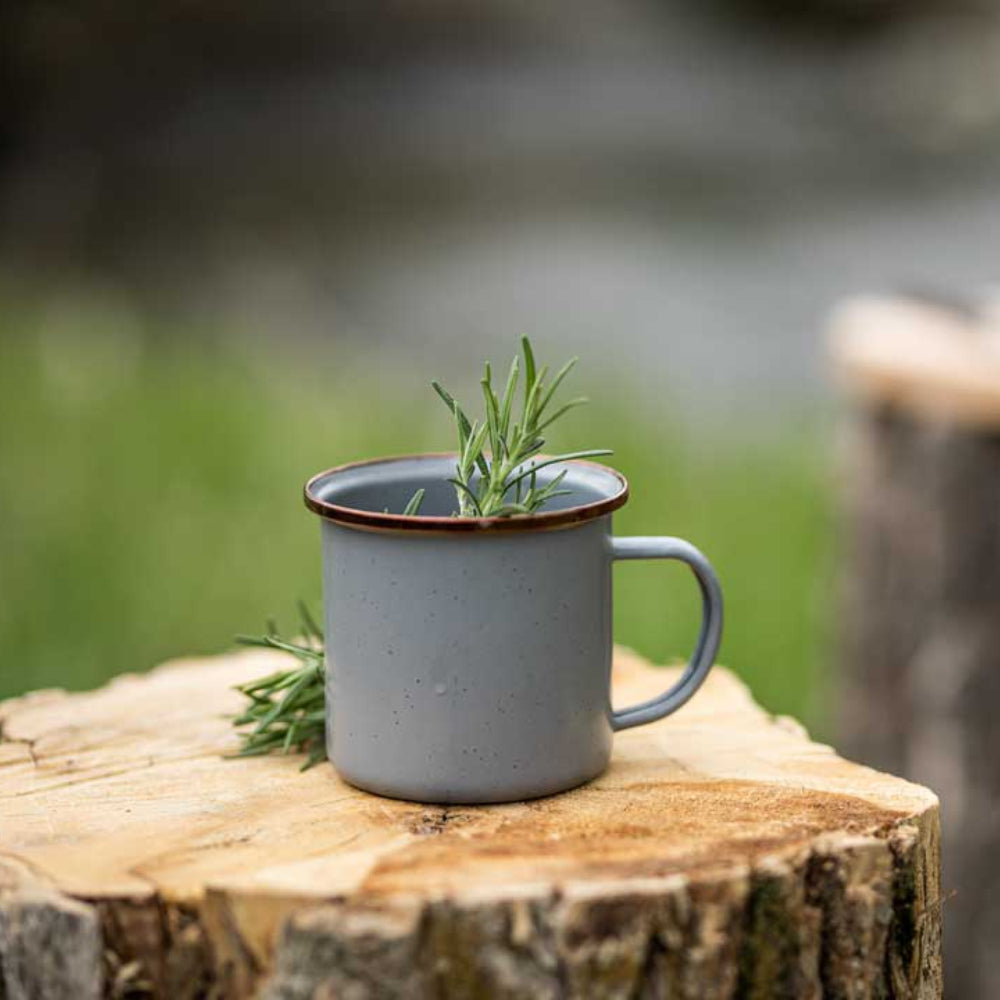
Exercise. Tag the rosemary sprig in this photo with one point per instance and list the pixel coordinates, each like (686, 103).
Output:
(496, 475)
(413, 507)
(286, 710)
(496, 471)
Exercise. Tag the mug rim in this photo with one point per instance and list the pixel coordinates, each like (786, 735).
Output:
(380, 521)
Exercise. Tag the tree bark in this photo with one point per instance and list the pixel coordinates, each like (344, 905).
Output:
(920, 657)
(722, 855)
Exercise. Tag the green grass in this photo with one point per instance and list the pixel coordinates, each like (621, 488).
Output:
(150, 508)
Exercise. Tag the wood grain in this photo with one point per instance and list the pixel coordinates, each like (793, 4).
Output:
(710, 830)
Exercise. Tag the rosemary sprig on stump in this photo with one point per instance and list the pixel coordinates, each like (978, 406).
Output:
(286, 711)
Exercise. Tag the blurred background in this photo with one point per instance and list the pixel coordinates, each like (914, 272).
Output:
(237, 241)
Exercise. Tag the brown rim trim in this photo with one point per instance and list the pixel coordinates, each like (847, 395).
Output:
(374, 521)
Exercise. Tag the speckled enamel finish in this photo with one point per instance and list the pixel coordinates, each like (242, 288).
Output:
(474, 666)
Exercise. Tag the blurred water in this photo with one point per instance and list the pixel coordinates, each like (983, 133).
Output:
(725, 316)
(679, 200)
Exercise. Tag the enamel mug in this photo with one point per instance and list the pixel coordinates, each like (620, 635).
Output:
(469, 660)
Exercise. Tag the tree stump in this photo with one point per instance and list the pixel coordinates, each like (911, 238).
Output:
(722, 855)
(921, 650)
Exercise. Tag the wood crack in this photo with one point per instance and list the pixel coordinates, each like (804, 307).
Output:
(28, 744)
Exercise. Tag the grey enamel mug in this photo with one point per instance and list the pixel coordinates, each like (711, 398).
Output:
(470, 660)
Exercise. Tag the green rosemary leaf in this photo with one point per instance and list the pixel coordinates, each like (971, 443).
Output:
(317, 754)
(568, 457)
(508, 399)
(467, 457)
(552, 486)
(532, 449)
(245, 719)
(492, 414)
(474, 451)
(413, 507)
(529, 367)
(463, 420)
(512, 508)
(309, 626)
(452, 405)
(261, 682)
(530, 416)
(262, 741)
(469, 494)
(550, 391)
(284, 706)
(565, 408)
(273, 642)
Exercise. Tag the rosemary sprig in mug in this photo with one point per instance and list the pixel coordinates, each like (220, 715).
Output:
(495, 476)
(484, 480)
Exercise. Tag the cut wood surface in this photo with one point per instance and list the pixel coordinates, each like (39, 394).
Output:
(937, 361)
(723, 854)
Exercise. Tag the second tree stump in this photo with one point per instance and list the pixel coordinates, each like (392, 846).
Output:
(921, 650)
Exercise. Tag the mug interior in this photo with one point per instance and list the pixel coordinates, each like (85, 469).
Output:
(388, 484)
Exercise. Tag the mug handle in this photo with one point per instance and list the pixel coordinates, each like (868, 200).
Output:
(708, 638)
